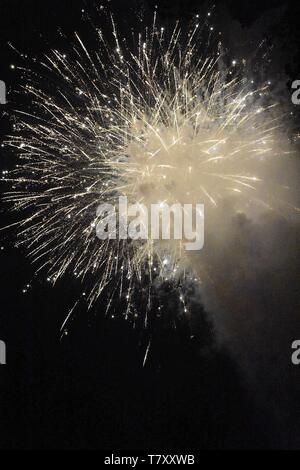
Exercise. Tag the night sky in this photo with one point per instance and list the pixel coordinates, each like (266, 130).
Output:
(90, 390)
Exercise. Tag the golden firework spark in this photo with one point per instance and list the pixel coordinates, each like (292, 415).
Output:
(156, 120)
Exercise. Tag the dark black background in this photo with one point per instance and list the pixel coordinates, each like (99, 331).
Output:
(90, 390)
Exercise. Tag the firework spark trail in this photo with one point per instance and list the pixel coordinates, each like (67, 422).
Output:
(159, 122)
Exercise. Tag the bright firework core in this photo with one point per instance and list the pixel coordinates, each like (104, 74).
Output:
(161, 121)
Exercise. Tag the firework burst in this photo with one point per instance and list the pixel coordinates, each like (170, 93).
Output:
(159, 118)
